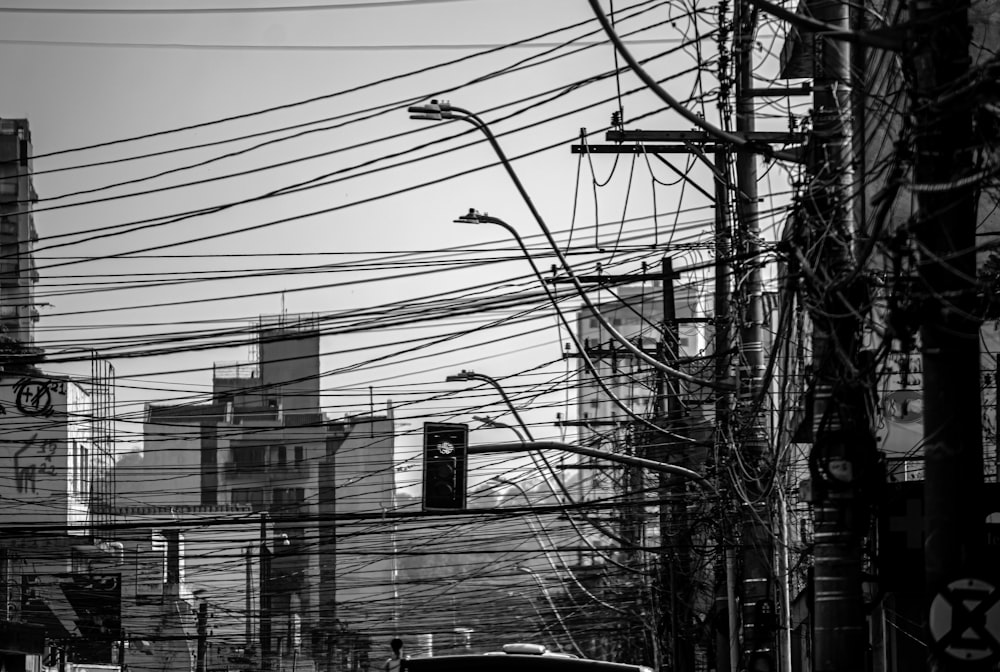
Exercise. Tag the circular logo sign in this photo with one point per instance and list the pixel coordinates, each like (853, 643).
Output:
(965, 620)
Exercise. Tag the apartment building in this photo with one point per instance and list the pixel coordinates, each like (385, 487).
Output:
(56, 477)
(263, 442)
(18, 310)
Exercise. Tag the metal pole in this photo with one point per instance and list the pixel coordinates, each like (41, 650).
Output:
(652, 465)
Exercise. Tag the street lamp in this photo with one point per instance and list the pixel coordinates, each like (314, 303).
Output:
(476, 217)
(465, 375)
(652, 465)
(490, 422)
(441, 110)
(552, 605)
(554, 547)
(532, 446)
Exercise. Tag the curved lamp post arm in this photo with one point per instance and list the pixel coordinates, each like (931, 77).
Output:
(472, 375)
(548, 554)
(552, 605)
(652, 465)
(490, 422)
(442, 110)
(475, 217)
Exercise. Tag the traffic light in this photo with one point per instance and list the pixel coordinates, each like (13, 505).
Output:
(445, 449)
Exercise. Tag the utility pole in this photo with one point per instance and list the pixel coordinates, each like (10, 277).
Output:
(675, 566)
(938, 43)
(265, 597)
(202, 631)
(247, 593)
(842, 441)
(756, 533)
(727, 656)
(702, 144)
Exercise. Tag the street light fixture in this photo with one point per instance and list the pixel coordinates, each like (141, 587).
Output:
(552, 605)
(466, 375)
(537, 446)
(443, 110)
(620, 458)
(476, 217)
(490, 422)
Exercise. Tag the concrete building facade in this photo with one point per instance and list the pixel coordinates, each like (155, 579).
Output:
(262, 442)
(56, 477)
(18, 311)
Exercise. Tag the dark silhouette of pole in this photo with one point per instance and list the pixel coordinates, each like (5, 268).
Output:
(842, 441)
(727, 641)
(945, 231)
(202, 631)
(265, 597)
(756, 529)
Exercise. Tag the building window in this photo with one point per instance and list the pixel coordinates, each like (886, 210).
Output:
(288, 500)
(299, 456)
(249, 457)
(252, 496)
(282, 455)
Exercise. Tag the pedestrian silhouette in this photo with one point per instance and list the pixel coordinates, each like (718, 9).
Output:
(394, 663)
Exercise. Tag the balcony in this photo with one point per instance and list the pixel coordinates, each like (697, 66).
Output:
(244, 468)
(290, 467)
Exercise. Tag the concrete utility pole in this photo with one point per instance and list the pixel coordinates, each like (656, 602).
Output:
(758, 611)
(727, 640)
(202, 630)
(945, 228)
(675, 566)
(842, 441)
(265, 596)
(703, 144)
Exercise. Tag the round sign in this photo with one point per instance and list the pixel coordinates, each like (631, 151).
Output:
(964, 621)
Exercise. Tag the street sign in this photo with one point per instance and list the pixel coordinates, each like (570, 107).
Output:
(965, 621)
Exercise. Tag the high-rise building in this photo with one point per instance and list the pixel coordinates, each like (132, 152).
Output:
(18, 276)
(264, 442)
(638, 314)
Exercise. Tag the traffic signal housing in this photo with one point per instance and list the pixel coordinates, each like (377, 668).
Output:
(445, 465)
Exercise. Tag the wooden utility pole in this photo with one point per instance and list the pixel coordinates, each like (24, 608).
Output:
(939, 41)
